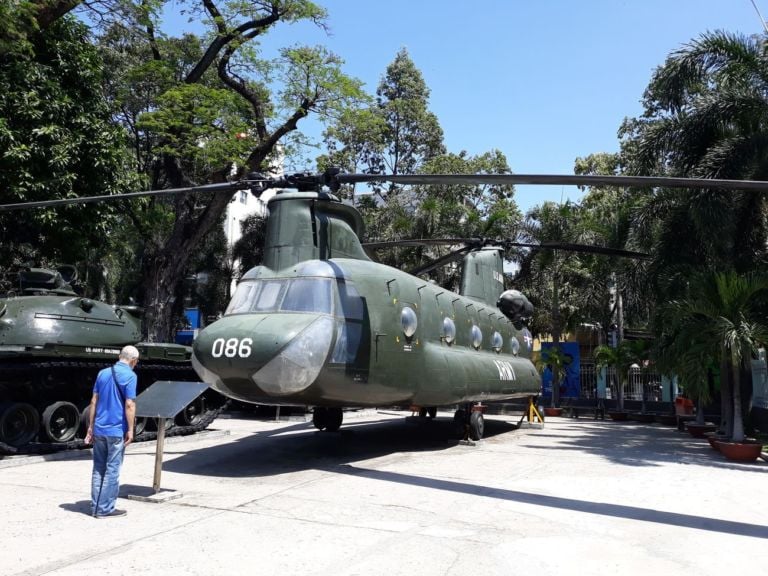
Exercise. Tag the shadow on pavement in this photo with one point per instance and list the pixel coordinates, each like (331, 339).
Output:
(301, 447)
(601, 508)
(80, 507)
(636, 444)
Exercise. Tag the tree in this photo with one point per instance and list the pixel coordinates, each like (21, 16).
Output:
(724, 311)
(607, 220)
(58, 141)
(621, 358)
(398, 134)
(186, 100)
(412, 134)
(706, 115)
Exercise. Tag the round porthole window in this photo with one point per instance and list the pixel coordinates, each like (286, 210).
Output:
(476, 336)
(515, 344)
(497, 342)
(409, 321)
(449, 330)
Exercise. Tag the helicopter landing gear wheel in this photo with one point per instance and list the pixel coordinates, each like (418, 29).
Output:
(192, 413)
(476, 426)
(19, 423)
(320, 417)
(335, 418)
(60, 422)
(460, 423)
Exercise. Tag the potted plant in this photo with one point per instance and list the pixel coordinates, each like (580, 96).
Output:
(721, 315)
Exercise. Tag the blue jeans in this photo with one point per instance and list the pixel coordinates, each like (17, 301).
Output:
(107, 458)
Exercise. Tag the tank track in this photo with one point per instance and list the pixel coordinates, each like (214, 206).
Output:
(37, 448)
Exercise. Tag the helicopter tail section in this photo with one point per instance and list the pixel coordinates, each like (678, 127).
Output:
(483, 275)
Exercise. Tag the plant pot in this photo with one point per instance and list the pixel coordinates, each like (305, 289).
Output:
(714, 438)
(698, 430)
(553, 411)
(645, 417)
(667, 419)
(746, 451)
(618, 415)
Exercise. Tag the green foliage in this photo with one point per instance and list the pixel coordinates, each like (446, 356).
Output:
(706, 115)
(722, 319)
(621, 358)
(57, 141)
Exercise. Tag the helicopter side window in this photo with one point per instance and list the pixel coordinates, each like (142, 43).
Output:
(308, 295)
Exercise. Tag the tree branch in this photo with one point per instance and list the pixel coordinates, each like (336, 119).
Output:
(224, 37)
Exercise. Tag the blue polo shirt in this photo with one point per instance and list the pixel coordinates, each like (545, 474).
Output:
(110, 409)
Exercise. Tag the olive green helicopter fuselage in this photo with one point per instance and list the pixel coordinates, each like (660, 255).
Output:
(321, 324)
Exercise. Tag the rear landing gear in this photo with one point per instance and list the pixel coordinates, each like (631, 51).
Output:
(469, 422)
(329, 419)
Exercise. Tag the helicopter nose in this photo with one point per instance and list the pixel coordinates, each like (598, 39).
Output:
(281, 353)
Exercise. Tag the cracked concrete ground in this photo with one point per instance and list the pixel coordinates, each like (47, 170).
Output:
(388, 497)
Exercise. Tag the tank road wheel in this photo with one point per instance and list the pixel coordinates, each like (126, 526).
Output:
(19, 423)
(460, 422)
(192, 413)
(334, 419)
(85, 419)
(139, 424)
(60, 422)
(476, 425)
(152, 424)
(320, 417)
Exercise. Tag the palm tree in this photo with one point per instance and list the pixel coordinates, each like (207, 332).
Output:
(723, 309)
(622, 357)
(556, 282)
(557, 361)
(706, 115)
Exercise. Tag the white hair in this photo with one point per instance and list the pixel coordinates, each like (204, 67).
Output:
(129, 353)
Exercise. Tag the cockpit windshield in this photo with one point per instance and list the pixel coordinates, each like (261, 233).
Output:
(293, 295)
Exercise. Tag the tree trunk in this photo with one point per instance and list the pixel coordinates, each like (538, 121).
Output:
(726, 398)
(165, 269)
(555, 334)
(738, 422)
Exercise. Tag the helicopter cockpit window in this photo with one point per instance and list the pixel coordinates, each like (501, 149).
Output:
(294, 295)
(308, 295)
(269, 296)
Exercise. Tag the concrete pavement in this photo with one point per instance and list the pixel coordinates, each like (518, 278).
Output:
(387, 497)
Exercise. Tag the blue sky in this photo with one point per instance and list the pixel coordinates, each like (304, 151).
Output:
(543, 81)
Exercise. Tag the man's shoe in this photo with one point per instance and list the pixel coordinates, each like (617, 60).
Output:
(114, 512)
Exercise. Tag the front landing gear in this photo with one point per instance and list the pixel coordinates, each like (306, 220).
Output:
(469, 421)
(329, 419)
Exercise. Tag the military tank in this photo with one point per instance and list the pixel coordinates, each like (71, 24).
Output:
(53, 342)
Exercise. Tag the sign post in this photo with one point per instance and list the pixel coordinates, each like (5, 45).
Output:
(163, 400)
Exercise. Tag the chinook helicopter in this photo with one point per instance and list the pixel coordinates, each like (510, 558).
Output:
(320, 323)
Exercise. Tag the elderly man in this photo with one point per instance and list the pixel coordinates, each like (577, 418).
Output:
(113, 411)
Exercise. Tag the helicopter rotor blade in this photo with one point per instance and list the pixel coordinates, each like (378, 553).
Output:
(584, 248)
(442, 261)
(256, 187)
(474, 243)
(559, 180)
(257, 183)
(421, 242)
